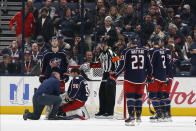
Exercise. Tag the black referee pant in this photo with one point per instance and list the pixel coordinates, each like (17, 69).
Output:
(107, 94)
(40, 102)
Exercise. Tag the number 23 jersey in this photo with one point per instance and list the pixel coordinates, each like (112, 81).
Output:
(135, 63)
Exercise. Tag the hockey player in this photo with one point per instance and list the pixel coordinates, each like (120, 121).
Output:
(54, 57)
(47, 94)
(76, 96)
(135, 63)
(160, 62)
(165, 101)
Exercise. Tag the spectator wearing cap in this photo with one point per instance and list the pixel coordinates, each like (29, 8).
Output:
(29, 25)
(42, 45)
(107, 32)
(62, 44)
(170, 17)
(188, 17)
(44, 26)
(192, 56)
(183, 28)
(7, 67)
(51, 10)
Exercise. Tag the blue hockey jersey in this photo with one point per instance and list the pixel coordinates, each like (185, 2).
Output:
(78, 89)
(135, 63)
(57, 60)
(160, 62)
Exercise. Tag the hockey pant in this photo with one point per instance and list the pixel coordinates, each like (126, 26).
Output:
(75, 107)
(133, 93)
(159, 95)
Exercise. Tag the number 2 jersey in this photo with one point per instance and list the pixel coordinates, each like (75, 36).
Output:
(162, 63)
(135, 63)
(78, 89)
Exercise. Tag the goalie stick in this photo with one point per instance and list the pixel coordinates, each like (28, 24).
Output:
(149, 103)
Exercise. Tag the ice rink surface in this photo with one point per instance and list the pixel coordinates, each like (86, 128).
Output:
(16, 123)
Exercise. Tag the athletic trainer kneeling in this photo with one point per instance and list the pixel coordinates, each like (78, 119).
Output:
(47, 94)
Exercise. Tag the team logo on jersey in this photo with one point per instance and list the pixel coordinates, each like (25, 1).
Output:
(55, 62)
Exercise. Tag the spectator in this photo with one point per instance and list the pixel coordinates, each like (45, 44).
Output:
(192, 55)
(107, 32)
(100, 17)
(119, 46)
(100, 3)
(178, 38)
(121, 7)
(33, 9)
(7, 67)
(42, 45)
(51, 10)
(66, 24)
(116, 17)
(148, 28)
(13, 52)
(79, 50)
(96, 53)
(29, 25)
(27, 62)
(186, 47)
(158, 32)
(61, 8)
(130, 19)
(71, 62)
(183, 28)
(187, 17)
(44, 26)
(62, 44)
(34, 53)
(169, 18)
(88, 25)
(156, 16)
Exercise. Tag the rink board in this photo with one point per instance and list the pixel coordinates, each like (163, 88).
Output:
(17, 92)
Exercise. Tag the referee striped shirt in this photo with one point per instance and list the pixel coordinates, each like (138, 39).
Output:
(109, 60)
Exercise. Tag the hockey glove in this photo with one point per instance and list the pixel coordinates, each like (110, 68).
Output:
(65, 78)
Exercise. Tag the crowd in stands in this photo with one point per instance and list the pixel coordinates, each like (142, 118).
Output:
(173, 21)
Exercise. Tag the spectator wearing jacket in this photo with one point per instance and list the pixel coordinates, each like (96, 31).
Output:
(44, 26)
(29, 24)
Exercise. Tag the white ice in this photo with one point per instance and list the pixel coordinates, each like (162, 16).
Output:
(16, 123)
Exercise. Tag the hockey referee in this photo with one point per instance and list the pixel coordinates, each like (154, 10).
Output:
(107, 91)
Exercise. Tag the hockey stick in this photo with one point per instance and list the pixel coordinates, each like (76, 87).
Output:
(149, 105)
